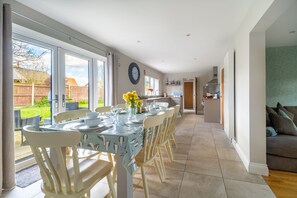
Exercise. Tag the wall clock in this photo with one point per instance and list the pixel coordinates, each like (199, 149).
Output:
(134, 73)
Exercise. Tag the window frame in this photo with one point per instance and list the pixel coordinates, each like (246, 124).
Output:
(154, 85)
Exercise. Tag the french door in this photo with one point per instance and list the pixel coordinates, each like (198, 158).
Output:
(49, 80)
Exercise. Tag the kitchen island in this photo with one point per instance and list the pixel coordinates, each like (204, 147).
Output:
(212, 110)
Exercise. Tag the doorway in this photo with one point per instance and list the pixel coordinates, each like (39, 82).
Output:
(188, 95)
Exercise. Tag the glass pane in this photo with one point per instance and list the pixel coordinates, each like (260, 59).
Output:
(32, 67)
(76, 82)
(101, 84)
(156, 88)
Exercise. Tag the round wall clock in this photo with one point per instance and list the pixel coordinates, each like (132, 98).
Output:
(134, 73)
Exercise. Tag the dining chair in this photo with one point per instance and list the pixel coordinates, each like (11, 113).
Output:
(149, 153)
(164, 141)
(74, 115)
(122, 106)
(103, 110)
(162, 104)
(70, 115)
(60, 177)
(173, 124)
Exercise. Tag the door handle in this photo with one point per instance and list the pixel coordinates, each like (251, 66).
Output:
(63, 100)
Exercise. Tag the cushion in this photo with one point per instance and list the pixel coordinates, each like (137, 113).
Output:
(268, 111)
(282, 145)
(293, 109)
(280, 107)
(283, 125)
(270, 131)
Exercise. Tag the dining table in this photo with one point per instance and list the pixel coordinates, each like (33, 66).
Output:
(117, 134)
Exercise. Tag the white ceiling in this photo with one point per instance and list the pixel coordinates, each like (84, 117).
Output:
(278, 34)
(160, 26)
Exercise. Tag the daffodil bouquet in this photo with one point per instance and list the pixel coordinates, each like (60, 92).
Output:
(131, 98)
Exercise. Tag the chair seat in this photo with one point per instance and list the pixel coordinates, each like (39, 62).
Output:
(91, 170)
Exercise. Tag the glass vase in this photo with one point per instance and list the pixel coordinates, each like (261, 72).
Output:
(132, 112)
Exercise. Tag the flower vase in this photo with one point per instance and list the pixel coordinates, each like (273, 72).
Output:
(132, 112)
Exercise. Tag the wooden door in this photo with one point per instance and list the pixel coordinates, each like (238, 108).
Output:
(196, 95)
(222, 95)
(188, 95)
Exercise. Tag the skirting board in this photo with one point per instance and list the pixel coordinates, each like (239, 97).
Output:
(251, 167)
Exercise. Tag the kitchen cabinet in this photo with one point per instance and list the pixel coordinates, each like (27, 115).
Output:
(212, 110)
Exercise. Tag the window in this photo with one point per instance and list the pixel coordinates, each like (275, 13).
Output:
(152, 86)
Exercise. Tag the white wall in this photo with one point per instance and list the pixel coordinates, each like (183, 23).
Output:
(203, 78)
(229, 94)
(249, 45)
(124, 84)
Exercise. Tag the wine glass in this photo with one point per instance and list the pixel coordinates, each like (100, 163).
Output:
(115, 110)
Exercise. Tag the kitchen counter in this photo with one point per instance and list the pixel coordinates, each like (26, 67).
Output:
(172, 101)
(212, 110)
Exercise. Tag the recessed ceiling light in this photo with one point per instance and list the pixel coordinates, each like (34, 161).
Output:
(138, 41)
(195, 58)
(162, 61)
(292, 32)
(188, 35)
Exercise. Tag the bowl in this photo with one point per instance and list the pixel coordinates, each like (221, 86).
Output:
(92, 122)
(92, 115)
(153, 111)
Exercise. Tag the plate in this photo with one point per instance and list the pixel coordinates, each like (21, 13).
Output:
(123, 112)
(85, 128)
(137, 121)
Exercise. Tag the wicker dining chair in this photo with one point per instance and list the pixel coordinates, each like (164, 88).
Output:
(62, 178)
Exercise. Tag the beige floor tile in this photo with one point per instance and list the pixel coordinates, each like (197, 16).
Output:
(204, 166)
(236, 171)
(194, 186)
(140, 194)
(184, 132)
(100, 190)
(201, 140)
(169, 188)
(183, 139)
(181, 149)
(197, 152)
(223, 143)
(228, 154)
(236, 189)
(179, 162)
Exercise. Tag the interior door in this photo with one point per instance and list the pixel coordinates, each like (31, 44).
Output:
(188, 95)
(196, 95)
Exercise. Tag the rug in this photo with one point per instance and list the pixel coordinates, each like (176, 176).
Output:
(28, 176)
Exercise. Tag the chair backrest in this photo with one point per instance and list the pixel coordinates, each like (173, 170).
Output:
(33, 121)
(162, 104)
(176, 111)
(70, 115)
(57, 179)
(169, 115)
(122, 106)
(153, 126)
(103, 110)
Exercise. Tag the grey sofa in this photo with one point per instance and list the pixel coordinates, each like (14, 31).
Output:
(282, 150)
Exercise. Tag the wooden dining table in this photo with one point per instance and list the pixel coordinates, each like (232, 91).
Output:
(123, 138)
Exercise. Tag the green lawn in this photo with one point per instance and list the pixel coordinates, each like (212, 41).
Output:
(44, 111)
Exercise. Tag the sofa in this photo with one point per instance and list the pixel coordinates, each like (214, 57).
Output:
(281, 132)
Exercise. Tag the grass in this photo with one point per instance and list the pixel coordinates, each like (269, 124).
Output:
(44, 111)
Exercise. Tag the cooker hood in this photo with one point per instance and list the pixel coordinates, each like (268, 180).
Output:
(214, 80)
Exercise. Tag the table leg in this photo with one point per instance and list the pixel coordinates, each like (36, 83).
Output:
(124, 180)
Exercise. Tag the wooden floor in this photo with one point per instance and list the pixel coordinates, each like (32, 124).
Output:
(283, 184)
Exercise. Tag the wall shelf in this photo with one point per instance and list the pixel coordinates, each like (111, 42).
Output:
(173, 85)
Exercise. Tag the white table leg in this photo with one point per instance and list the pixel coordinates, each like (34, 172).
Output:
(124, 180)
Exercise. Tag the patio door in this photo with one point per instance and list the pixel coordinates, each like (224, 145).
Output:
(74, 83)
(34, 69)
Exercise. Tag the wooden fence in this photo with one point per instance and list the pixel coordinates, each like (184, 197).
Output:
(26, 94)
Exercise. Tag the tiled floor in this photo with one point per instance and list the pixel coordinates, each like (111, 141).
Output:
(205, 165)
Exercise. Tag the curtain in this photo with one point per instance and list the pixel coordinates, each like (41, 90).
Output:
(113, 79)
(7, 166)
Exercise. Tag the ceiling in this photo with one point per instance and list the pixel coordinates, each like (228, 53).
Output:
(278, 34)
(171, 36)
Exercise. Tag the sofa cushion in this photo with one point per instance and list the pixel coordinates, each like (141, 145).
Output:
(282, 145)
(283, 125)
(293, 109)
(288, 113)
(268, 111)
(270, 131)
